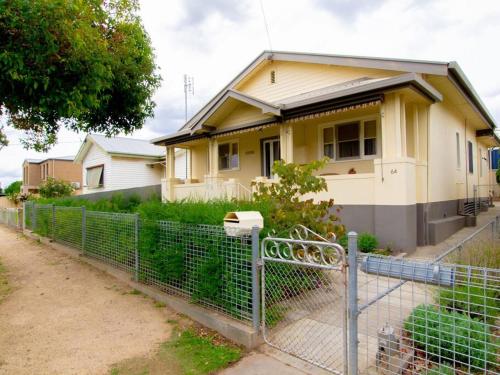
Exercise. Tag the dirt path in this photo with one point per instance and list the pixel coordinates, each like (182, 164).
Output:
(64, 317)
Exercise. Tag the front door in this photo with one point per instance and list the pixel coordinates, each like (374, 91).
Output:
(270, 153)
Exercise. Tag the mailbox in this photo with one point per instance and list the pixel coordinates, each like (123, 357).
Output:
(240, 223)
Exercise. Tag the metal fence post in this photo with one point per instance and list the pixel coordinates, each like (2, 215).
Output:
(136, 247)
(353, 303)
(84, 228)
(33, 221)
(53, 222)
(24, 217)
(255, 279)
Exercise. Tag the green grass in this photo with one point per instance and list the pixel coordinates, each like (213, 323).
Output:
(4, 284)
(185, 354)
(198, 355)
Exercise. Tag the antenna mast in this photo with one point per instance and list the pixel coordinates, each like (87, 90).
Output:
(188, 89)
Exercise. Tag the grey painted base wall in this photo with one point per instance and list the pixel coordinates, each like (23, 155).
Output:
(403, 228)
(394, 226)
(144, 192)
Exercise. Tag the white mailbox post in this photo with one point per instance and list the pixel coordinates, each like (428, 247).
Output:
(240, 223)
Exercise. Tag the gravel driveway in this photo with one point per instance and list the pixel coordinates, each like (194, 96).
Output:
(64, 317)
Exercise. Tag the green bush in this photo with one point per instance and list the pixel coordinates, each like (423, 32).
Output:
(476, 301)
(451, 336)
(367, 242)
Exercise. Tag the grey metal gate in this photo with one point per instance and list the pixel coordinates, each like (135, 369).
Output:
(304, 298)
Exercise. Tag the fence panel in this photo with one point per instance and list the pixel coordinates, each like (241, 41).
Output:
(435, 318)
(43, 223)
(10, 217)
(28, 215)
(479, 249)
(68, 226)
(199, 262)
(110, 237)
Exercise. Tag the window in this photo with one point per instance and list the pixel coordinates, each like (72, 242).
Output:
(95, 177)
(458, 150)
(370, 135)
(481, 162)
(229, 156)
(470, 154)
(348, 140)
(328, 145)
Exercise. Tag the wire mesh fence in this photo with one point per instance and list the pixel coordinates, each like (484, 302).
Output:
(427, 318)
(198, 262)
(10, 217)
(478, 249)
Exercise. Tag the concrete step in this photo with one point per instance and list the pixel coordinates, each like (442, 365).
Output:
(441, 229)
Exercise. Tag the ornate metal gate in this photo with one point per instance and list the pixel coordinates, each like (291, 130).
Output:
(304, 298)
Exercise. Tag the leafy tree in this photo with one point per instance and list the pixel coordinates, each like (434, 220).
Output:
(86, 65)
(53, 188)
(14, 187)
(286, 198)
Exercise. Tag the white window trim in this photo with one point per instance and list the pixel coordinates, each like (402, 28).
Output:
(362, 156)
(230, 142)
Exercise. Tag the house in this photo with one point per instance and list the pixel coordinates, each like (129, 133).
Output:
(118, 163)
(407, 140)
(37, 171)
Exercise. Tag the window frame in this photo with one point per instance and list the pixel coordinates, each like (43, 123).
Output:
(470, 157)
(230, 143)
(102, 176)
(361, 138)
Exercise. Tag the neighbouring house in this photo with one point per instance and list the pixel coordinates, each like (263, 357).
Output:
(407, 140)
(37, 171)
(117, 163)
(494, 164)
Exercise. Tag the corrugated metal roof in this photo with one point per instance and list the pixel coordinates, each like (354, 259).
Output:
(127, 146)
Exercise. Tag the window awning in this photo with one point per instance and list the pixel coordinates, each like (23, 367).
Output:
(94, 176)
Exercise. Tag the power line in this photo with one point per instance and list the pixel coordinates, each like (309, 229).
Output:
(266, 24)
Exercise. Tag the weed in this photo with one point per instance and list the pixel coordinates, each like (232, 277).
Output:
(159, 304)
(199, 355)
(4, 284)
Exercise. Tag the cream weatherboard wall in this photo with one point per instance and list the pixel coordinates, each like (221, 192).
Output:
(293, 78)
(449, 164)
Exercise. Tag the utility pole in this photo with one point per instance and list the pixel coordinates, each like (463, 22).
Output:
(188, 89)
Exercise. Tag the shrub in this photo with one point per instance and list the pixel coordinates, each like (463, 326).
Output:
(286, 203)
(451, 336)
(367, 242)
(476, 301)
(53, 188)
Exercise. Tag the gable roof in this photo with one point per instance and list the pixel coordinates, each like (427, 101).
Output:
(295, 105)
(120, 146)
(449, 69)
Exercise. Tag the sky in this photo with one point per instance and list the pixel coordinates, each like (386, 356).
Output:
(213, 40)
